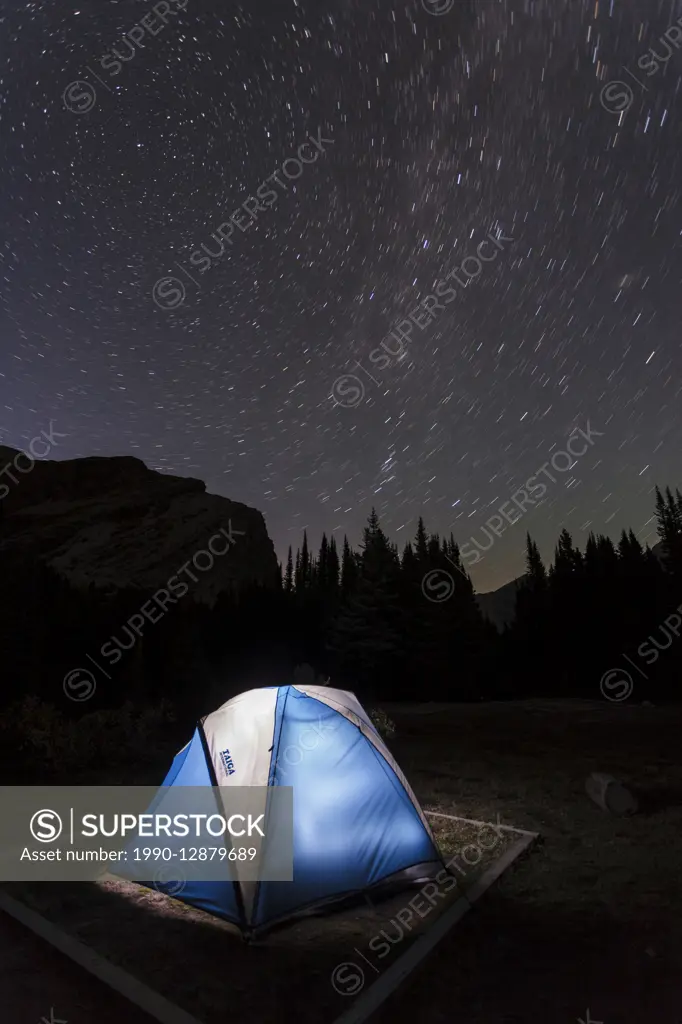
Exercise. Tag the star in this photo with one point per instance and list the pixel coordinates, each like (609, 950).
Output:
(135, 146)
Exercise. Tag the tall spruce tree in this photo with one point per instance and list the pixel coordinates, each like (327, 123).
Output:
(421, 542)
(566, 590)
(289, 574)
(323, 564)
(531, 594)
(365, 636)
(567, 558)
(333, 566)
(669, 520)
(349, 568)
(536, 574)
(305, 562)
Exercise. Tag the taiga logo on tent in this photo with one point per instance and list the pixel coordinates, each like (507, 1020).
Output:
(228, 763)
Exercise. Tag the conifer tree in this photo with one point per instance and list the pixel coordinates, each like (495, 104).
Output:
(323, 564)
(421, 543)
(608, 559)
(567, 558)
(365, 635)
(669, 519)
(305, 562)
(535, 569)
(531, 595)
(349, 568)
(333, 566)
(289, 575)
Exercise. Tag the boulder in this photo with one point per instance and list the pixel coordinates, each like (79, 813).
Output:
(610, 794)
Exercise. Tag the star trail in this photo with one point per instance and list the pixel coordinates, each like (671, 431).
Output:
(188, 277)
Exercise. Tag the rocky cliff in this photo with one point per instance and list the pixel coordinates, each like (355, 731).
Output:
(117, 524)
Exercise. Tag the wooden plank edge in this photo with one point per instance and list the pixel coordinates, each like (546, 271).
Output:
(487, 824)
(385, 986)
(135, 991)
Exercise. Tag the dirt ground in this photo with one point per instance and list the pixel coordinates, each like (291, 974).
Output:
(37, 982)
(592, 919)
(201, 964)
(588, 922)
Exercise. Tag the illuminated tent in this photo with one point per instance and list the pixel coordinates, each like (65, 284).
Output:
(357, 826)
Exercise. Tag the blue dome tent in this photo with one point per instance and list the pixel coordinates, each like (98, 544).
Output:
(357, 827)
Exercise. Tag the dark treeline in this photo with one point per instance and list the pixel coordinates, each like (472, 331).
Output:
(388, 624)
(407, 626)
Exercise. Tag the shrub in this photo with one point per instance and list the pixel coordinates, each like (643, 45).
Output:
(37, 737)
(384, 725)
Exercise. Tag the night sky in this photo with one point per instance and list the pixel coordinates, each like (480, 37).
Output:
(492, 118)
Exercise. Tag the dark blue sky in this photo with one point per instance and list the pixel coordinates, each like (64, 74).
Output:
(492, 118)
